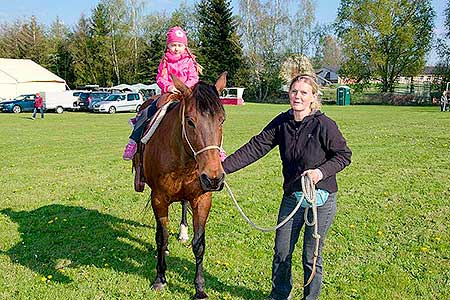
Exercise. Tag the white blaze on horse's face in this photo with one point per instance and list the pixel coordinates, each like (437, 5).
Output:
(176, 48)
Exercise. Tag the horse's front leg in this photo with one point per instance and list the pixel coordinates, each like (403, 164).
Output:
(200, 212)
(183, 236)
(160, 209)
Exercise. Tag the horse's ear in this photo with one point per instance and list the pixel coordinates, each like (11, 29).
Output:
(180, 85)
(221, 82)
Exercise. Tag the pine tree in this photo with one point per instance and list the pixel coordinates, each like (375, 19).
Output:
(100, 41)
(59, 54)
(219, 45)
(81, 52)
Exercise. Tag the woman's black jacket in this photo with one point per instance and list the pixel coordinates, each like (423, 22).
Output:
(314, 143)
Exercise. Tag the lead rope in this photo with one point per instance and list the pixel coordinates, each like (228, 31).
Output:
(309, 193)
(310, 196)
(252, 224)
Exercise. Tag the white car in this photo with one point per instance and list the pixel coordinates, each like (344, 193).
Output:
(119, 102)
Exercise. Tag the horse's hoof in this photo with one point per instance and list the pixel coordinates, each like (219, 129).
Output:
(200, 296)
(158, 286)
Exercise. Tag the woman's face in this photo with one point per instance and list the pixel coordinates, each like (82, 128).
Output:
(300, 96)
(176, 48)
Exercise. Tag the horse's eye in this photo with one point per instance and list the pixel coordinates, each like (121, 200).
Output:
(191, 123)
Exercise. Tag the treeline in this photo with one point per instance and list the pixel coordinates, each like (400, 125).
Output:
(118, 43)
(260, 47)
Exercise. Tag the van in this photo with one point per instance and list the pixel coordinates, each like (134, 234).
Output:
(60, 101)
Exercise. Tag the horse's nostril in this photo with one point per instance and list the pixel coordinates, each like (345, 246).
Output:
(204, 178)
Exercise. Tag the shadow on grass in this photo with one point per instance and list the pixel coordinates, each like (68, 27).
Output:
(56, 236)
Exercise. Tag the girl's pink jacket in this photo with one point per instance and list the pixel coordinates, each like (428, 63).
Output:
(184, 67)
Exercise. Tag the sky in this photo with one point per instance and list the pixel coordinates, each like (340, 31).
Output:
(70, 11)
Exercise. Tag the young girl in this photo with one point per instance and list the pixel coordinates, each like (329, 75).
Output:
(177, 60)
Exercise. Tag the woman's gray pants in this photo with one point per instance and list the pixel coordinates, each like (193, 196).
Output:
(285, 239)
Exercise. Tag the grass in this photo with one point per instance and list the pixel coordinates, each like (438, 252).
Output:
(73, 228)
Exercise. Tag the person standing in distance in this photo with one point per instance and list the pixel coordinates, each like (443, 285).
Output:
(38, 104)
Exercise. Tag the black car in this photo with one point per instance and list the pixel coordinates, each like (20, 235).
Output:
(87, 100)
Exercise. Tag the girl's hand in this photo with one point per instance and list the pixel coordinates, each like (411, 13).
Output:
(222, 155)
(172, 89)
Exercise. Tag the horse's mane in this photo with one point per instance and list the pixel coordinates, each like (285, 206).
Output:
(207, 99)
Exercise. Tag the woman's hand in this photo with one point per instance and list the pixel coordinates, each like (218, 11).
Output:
(315, 174)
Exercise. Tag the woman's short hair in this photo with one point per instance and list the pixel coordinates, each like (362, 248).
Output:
(311, 80)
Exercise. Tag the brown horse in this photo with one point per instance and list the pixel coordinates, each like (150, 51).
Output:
(181, 162)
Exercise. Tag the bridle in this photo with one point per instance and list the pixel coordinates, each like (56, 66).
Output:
(186, 138)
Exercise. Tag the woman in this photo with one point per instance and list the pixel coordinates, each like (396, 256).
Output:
(309, 142)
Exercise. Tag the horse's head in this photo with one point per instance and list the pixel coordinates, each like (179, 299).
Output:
(202, 117)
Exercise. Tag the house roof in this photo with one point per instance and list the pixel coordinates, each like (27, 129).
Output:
(25, 70)
(335, 70)
(429, 70)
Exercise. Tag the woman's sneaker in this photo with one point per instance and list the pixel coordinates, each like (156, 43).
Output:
(130, 150)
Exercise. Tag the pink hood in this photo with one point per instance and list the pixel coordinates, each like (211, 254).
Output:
(183, 67)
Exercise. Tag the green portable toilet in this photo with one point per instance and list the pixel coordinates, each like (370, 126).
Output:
(343, 95)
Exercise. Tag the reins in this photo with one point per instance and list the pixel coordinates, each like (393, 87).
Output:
(309, 194)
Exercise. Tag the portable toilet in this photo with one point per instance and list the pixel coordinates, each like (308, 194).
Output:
(343, 95)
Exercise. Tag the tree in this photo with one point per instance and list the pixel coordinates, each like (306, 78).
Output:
(263, 34)
(328, 53)
(24, 40)
(384, 39)
(304, 33)
(82, 53)
(100, 44)
(59, 52)
(154, 33)
(443, 48)
(135, 20)
(219, 45)
(9, 40)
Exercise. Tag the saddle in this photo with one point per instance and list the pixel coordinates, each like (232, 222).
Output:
(162, 100)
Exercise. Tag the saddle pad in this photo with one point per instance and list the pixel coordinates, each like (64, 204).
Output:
(155, 121)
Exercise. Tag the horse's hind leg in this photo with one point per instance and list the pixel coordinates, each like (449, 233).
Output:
(162, 238)
(200, 215)
(183, 236)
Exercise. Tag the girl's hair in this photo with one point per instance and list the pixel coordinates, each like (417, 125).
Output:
(311, 80)
(197, 65)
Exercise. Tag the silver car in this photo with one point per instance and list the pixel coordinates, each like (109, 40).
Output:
(119, 102)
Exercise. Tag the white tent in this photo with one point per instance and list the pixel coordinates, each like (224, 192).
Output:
(24, 76)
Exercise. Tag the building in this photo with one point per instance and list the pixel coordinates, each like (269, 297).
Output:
(427, 76)
(327, 75)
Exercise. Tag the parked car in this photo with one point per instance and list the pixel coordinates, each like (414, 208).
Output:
(87, 100)
(119, 102)
(19, 104)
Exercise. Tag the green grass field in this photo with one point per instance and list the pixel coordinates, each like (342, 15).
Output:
(73, 228)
